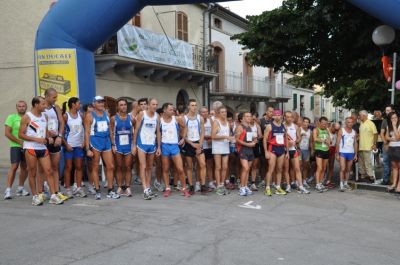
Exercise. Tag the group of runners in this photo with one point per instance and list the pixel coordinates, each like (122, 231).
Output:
(196, 151)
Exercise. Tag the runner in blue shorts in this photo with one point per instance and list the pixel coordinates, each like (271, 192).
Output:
(172, 128)
(121, 136)
(146, 143)
(98, 143)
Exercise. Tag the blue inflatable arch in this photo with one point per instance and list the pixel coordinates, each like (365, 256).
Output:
(84, 25)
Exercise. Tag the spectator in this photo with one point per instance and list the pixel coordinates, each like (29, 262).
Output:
(385, 156)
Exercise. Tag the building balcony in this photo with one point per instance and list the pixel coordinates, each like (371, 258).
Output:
(234, 85)
(107, 57)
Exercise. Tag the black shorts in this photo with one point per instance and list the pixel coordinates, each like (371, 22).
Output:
(53, 149)
(293, 154)
(16, 155)
(322, 154)
(257, 150)
(189, 150)
(394, 153)
(208, 153)
(246, 154)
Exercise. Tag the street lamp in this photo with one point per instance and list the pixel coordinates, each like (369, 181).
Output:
(383, 36)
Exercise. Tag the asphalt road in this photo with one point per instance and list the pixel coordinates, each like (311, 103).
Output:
(357, 227)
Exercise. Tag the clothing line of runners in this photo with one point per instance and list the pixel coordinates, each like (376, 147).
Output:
(196, 151)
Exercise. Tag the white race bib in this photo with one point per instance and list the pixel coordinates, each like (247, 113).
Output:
(51, 125)
(148, 138)
(41, 134)
(123, 139)
(349, 141)
(194, 134)
(279, 138)
(304, 144)
(169, 134)
(102, 126)
(249, 136)
(207, 131)
(75, 129)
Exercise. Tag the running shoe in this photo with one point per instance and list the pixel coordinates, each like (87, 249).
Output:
(112, 195)
(211, 185)
(319, 188)
(279, 191)
(204, 190)
(341, 188)
(157, 185)
(179, 186)
(293, 185)
(167, 193)
(128, 192)
(268, 192)
(46, 187)
(248, 191)
(303, 190)
(7, 194)
(324, 188)
(186, 193)
(137, 181)
(152, 194)
(146, 196)
(43, 197)
(310, 179)
(242, 191)
(347, 187)
(288, 188)
(120, 191)
(79, 192)
(91, 190)
(74, 187)
(22, 192)
(61, 196)
(230, 186)
(55, 199)
(98, 196)
(220, 190)
(305, 184)
(36, 201)
(197, 187)
(69, 193)
(253, 187)
(261, 185)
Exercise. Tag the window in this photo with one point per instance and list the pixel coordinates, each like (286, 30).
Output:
(136, 21)
(217, 23)
(312, 103)
(294, 101)
(182, 27)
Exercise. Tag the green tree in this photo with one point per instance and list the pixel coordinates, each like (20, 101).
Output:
(326, 42)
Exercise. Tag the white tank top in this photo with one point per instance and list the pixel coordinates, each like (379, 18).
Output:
(394, 143)
(333, 138)
(52, 121)
(148, 129)
(74, 133)
(169, 131)
(346, 144)
(36, 128)
(254, 130)
(193, 128)
(207, 132)
(221, 146)
(305, 139)
(291, 130)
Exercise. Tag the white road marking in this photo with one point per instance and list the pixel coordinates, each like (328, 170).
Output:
(249, 206)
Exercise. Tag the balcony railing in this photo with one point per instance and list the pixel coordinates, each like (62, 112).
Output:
(236, 83)
(111, 47)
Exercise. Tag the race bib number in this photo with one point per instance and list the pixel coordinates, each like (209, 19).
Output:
(304, 144)
(52, 126)
(124, 139)
(75, 129)
(207, 131)
(279, 138)
(102, 126)
(148, 138)
(41, 134)
(249, 136)
(169, 134)
(349, 141)
(194, 134)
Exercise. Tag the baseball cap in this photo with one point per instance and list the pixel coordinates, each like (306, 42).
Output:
(98, 98)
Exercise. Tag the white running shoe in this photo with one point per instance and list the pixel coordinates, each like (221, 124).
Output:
(36, 200)
(54, 199)
(21, 191)
(242, 191)
(248, 191)
(79, 192)
(303, 190)
(157, 185)
(69, 193)
(7, 194)
(98, 196)
(197, 187)
(91, 190)
(113, 195)
(288, 188)
(305, 184)
(211, 185)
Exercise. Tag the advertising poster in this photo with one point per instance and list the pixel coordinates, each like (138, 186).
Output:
(57, 68)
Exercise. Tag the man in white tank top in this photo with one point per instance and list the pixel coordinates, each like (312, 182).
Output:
(193, 148)
(55, 127)
(207, 147)
(33, 131)
(346, 151)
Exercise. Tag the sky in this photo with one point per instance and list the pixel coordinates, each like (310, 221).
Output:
(251, 7)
